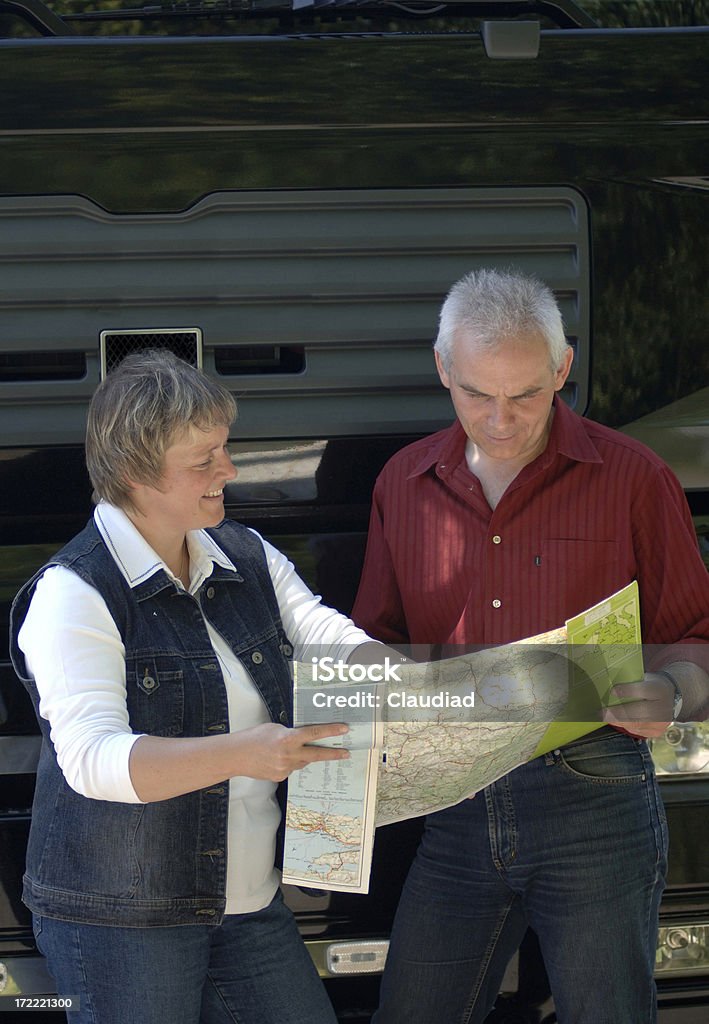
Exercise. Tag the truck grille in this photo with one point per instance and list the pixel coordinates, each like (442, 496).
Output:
(116, 345)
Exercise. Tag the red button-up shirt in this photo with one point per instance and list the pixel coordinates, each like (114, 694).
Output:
(593, 512)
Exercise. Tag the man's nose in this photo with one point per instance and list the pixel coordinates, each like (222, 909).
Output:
(501, 412)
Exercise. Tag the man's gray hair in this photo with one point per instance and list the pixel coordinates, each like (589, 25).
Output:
(491, 306)
(141, 408)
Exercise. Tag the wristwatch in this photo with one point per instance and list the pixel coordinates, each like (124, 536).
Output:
(677, 699)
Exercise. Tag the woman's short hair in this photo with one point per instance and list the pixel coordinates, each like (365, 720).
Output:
(141, 408)
(491, 306)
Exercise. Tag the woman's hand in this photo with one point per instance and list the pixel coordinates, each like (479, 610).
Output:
(161, 768)
(272, 751)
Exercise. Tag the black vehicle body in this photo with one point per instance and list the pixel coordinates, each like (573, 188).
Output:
(296, 190)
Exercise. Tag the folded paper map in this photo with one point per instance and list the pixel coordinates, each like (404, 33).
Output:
(424, 736)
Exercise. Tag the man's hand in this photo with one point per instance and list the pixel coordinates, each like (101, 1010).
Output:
(647, 710)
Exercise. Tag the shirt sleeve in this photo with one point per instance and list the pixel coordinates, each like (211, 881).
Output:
(307, 621)
(378, 606)
(673, 581)
(75, 653)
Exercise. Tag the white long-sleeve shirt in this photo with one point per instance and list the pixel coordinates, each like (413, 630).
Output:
(75, 653)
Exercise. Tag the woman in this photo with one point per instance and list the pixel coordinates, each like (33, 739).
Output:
(156, 649)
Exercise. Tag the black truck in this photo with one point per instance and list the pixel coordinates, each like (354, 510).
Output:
(282, 191)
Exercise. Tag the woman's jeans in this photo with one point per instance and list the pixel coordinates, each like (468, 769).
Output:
(573, 845)
(253, 969)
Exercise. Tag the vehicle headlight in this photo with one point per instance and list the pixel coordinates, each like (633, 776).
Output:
(683, 749)
(682, 949)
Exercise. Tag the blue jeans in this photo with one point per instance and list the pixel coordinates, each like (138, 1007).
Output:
(253, 969)
(573, 845)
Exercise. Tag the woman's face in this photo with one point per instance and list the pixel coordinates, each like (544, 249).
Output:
(190, 492)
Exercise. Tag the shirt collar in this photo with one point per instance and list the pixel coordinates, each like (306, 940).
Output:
(445, 449)
(137, 560)
(567, 437)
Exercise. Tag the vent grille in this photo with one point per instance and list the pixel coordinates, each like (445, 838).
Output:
(317, 308)
(116, 345)
(44, 366)
(236, 360)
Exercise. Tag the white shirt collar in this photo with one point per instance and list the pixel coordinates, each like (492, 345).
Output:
(137, 560)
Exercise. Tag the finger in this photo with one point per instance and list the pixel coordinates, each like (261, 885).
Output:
(636, 711)
(309, 754)
(643, 709)
(647, 730)
(311, 733)
(639, 723)
(645, 689)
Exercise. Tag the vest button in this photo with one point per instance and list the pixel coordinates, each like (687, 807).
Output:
(210, 592)
(257, 657)
(287, 650)
(283, 717)
(148, 683)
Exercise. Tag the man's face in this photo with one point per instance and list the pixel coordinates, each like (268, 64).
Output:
(503, 395)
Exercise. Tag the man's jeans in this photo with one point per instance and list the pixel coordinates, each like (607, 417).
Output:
(253, 969)
(574, 845)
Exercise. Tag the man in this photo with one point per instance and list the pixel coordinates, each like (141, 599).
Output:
(515, 518)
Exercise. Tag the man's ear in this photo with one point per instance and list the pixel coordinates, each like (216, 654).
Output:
(442, 372)
(564, 370)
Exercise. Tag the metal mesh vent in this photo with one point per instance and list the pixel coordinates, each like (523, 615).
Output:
(116, 345)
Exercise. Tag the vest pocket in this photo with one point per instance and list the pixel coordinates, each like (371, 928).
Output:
(155, 695)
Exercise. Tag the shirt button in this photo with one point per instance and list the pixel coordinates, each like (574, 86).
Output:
(257, 657)
(497, 540)
(497, 603)
(210, 592)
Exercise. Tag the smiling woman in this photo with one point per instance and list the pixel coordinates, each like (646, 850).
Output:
(188, 496)
(156, 649)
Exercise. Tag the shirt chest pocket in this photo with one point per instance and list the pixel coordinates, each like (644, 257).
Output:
(581, 572)
(156, 695)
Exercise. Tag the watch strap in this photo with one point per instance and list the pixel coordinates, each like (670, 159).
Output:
(677, 699)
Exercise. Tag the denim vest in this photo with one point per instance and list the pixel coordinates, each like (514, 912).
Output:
(163, 863)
